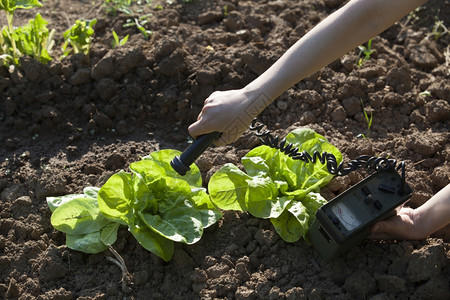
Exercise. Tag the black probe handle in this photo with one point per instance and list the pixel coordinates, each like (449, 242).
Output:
(182, 163)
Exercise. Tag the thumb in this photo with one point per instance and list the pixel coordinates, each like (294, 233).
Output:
(381, 230)
(195, 129)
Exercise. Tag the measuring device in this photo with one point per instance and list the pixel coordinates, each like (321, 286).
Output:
(345, 221)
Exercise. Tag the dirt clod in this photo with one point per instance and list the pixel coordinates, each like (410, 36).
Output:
(78, 120)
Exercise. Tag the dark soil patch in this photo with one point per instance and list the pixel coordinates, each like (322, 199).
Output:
(78, 120)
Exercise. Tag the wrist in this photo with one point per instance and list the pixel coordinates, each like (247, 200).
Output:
(422, 228)
(257, 99)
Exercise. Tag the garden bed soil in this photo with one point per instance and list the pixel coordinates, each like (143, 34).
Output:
(80, 119)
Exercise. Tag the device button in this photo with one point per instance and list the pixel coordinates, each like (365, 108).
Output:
(377, 204)
(368, 200)
(365, 190)
(386, 188)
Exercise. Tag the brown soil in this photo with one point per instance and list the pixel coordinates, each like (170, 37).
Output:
(75, 122)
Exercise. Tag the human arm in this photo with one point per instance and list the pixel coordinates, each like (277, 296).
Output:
(416, 224)
(232, 111)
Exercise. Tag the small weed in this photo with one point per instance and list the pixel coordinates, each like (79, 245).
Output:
(139, 23)
(225, 10)
(118, 42)
(369, 118)
(439, 30)
(113, 7)
(364, 53)
(79, 37)
(412, 16)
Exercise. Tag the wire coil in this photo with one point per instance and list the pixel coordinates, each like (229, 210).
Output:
(363, 161)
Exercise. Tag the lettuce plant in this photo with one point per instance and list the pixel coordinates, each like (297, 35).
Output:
(159, 207)
(274, 186)
(9, 53)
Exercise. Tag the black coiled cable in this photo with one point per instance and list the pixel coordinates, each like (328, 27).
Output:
(366, 161)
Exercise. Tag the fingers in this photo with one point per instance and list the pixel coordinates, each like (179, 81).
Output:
(399, 227)
(228, 136)
(378, 232)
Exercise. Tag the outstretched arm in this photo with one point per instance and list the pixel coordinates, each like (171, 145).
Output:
(231, 112)
(415, 224)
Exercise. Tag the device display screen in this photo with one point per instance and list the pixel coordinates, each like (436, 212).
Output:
(347, 218)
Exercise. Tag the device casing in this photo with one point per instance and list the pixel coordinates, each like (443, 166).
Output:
(345, 221)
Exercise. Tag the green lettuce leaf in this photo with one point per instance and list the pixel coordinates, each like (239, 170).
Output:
(163, 158)
(228, 187)
(152, 241)
(116, 198)
(181, 224)
(78, 216)
(12, 5)
(209, 213)
(54, 202)
(108, 234)
(88, 243)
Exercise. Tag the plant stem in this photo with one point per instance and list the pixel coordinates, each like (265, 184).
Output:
(121, 264)
(9, 16)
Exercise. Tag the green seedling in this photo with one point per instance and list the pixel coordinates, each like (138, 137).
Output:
(412, 16)
(115, 6)
(139, 23)
(9, 54)
(369, 119)
(276, 187)
(118, 42)
(425, 93)
(225, 10)
(79, 37)
(439, 30)
(364, 53)
(157, 205)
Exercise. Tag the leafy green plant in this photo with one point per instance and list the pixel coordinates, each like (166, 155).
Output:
(364, 53)
(159, 207)
(118, 42)
(139, 23)
(9, 53)
(115, 6)
(35, 39)
(274, 186)
(79, 37)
